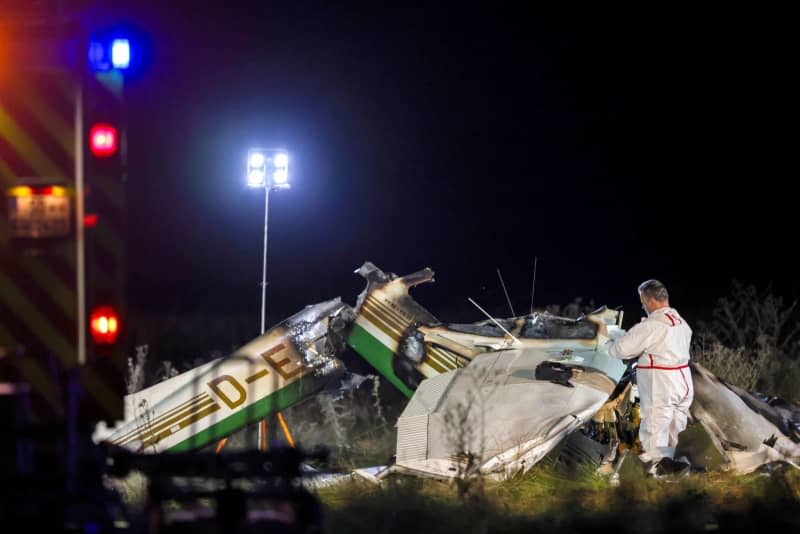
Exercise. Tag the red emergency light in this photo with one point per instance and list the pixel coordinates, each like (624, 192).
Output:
(103, 140)
(90, 220)
(104, 325)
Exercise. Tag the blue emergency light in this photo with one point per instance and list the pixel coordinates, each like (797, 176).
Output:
(121, 53)
(108, 54)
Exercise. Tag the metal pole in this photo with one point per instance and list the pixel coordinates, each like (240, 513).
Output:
(80, 265)
(264, 271)
(262, 430)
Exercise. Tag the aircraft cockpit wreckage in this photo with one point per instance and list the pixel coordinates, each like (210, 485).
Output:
(493, 397)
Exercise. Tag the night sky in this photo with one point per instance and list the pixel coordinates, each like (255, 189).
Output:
(613, 146)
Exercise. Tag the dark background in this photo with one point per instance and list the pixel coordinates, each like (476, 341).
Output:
(615, 146)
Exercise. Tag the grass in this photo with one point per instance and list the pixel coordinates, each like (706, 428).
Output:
(548, 500)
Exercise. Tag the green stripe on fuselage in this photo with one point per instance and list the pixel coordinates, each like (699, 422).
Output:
(378, 355)
(280, 400)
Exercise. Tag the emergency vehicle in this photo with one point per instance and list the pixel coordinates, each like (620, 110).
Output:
(63, 175)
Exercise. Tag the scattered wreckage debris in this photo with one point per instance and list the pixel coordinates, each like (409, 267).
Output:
(494, 397)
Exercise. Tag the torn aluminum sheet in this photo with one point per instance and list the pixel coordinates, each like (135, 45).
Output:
(291, 361)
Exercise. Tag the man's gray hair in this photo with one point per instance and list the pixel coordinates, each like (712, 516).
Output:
(655, 290)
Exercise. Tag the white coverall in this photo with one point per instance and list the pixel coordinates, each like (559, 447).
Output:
(663, 377)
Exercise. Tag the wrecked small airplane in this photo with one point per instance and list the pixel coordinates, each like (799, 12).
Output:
(493, 397)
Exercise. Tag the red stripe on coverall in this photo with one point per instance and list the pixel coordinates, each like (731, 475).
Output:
(660, 367)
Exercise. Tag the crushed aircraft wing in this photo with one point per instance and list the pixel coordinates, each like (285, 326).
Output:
(508, 408)
(742, 436)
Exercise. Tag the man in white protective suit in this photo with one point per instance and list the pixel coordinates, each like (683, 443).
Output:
(661, 342)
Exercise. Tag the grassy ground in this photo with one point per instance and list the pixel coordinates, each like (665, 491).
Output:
(550, 501)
